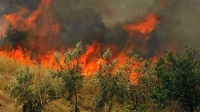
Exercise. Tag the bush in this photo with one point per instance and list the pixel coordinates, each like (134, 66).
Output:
(32, 95)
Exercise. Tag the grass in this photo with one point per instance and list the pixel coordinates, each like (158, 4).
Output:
(7, 68)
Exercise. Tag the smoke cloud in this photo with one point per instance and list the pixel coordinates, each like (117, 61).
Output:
(180, 23)
(103, 20)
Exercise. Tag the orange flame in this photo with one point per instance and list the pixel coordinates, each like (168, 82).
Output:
(144, 27)
(19, 55)
(90, 58)
(41, 26)
(140, 31)
(43, 44)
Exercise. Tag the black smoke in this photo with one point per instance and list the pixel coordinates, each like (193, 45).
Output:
(103, 20)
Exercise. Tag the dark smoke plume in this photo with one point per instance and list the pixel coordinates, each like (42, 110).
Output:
(102, 20)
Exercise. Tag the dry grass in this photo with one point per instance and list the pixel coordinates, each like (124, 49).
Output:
(7, 104)
(7, 68)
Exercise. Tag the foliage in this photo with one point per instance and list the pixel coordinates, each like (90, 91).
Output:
(16, 37)
(131, 85)
(179, 80)
(34, 96)
(115, 84)
(71, 72)
(107, 82)
(142, 77)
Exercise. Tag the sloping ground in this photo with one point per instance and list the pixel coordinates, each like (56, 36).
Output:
(7, 104)
(60, 105)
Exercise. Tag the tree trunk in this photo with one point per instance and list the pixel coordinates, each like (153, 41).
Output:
(76, 101)
(110, 106)
(135, 103)
(191, 107)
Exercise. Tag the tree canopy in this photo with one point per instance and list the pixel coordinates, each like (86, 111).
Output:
(179, 77)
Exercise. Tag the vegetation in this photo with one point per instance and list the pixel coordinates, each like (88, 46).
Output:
(71, 72)
(108, 82)
(116, 86)
(179, 80)
(34, 95)
(171, 84)
(16, 38)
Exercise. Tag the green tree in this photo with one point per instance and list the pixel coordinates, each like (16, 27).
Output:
(107, 82)
(114, 81)
(116, 86)
(70, 72)
(31, 94)
(179, 80)
(142, 77)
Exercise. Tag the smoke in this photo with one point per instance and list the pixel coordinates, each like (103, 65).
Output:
(103, 20)
(10, 6)
(180, 25)
(180, 19)
(79, 21)
(115, 11)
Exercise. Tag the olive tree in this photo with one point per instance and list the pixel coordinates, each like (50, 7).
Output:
(33, 95)
(70, 72)
(179, 76)
(114, 80)
(142, 77)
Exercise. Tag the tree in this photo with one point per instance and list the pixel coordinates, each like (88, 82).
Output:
(114, 81)
(107, 82)
(142, 79)
(17, 38)
(179, 79)
(31, 94)
(117, 86)
(70, 72)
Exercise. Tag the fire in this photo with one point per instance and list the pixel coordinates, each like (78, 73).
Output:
(19, 55)
(42, 41)
(41, 25)
(139, 32)
(18, 21)
(144, 27)
(90, 58)
(43, 5)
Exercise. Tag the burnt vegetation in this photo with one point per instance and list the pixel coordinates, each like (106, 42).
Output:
(16, 38)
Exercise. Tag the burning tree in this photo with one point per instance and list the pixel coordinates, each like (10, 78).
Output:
(70, 72)
(107, 82)
(127, 82)
(16, 38)
(141, 76)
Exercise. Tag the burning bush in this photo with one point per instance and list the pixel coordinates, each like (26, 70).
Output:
(16, 38)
